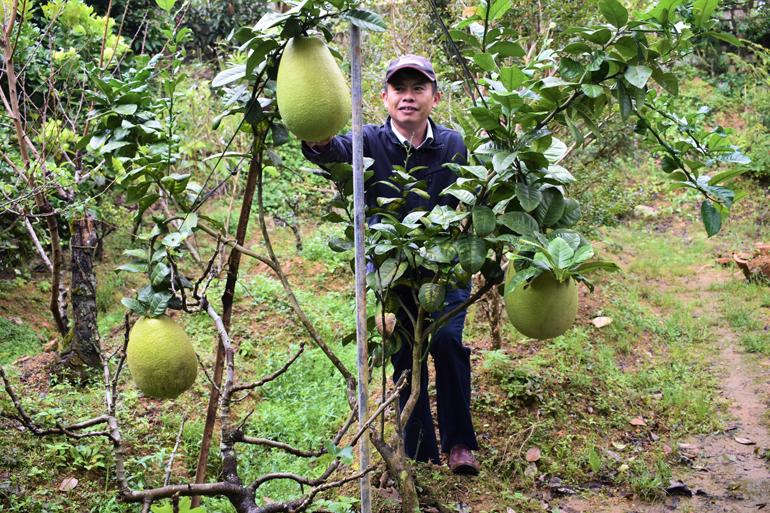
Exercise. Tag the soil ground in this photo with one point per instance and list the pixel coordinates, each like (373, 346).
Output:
(724, 472)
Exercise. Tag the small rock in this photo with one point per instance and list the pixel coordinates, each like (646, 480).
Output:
(533, 454)
(637, 421)
(645, 212)
(744, 441)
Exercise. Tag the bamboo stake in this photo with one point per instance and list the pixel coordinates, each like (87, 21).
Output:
(358, 218)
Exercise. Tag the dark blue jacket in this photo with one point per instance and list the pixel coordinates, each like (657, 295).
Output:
(381, 144)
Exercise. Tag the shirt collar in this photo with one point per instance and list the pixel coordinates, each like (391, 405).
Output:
(404, 140)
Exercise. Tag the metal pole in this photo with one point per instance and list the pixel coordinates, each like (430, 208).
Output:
(358, 219)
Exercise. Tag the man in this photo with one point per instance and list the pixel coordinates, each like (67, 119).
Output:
(410, 138)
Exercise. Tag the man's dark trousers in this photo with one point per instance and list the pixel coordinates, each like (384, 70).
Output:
(453, 384)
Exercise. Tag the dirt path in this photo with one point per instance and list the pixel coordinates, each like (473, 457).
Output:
(727, 472)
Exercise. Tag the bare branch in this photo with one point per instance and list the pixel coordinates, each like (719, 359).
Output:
(69, 430)
(206, 373)
(167, 479)
(36, 242)
(274, 375)
(280, 445)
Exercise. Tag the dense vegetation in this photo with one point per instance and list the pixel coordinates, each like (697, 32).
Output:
(129, 131)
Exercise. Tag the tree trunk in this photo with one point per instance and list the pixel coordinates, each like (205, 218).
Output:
(491, 310)
(233, 266)
(83, 350)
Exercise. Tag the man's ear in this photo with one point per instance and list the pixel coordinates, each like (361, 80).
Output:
(436, 98)
(384, 96)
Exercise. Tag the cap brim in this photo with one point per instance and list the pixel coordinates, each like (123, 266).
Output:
(409, 66)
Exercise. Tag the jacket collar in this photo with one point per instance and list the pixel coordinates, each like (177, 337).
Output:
(433, 143)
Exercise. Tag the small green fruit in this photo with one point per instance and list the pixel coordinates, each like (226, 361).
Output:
(484, 220)
(161, 358)
(313, 97)
(432, 296)
(543, 308)
(472, 252)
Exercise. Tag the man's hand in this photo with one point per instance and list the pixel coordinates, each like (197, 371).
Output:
(320, 145)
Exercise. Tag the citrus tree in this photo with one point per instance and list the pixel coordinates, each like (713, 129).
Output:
(532, 108)
(132, 130)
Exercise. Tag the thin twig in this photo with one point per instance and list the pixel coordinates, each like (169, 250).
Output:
(167, 479)
(274, 375)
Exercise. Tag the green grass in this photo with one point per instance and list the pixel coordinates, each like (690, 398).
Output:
(16, 341)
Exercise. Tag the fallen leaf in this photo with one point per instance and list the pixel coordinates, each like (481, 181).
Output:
(744, 441)
(666, 449)
(533, 454)
(637, 421)
(67, 484)
(678, 488)
(619, 446)
(509, 510)
(687, 446)
(601, 322)
(469, 11)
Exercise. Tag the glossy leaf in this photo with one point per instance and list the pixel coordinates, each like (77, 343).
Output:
(614, 12)
(712, 219)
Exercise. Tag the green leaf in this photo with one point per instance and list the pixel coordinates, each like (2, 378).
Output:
(158, 303)
(464, 196)
(724, 36)
(390, 270)
(712, 219)
(519, 222)
(485, 118)
(529, 196)
(229, 75)
(512, 77)
(135, 306)
(667, 81)
(559, 174)
(550, 82)
(499, 8)
(166, 5)
(551, 208)
(506, 49)
(582, 254)
(592, 90)
(702, 11)
(366, 20)
(726, 175)
(159, 274)
(626, 108)
(561, 253)
(133, 267)
(127, 109)
(571, 213)
(596, 265)
(485, 61)
(637, 76)
(184, 507)
(614, 12)
(139, 254)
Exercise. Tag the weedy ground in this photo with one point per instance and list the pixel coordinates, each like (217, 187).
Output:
(596, 419)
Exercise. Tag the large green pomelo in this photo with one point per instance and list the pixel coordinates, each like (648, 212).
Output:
(161, 358)
(313, 96)
(542, 309)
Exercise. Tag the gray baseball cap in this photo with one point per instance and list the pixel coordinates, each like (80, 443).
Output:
(410, 61)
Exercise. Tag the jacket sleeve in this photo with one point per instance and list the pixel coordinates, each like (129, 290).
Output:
(339, 149)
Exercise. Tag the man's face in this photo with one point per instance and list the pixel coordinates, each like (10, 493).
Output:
(410, 98)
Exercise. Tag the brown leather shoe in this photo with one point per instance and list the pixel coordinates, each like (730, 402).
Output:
(462, 461)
